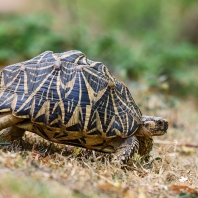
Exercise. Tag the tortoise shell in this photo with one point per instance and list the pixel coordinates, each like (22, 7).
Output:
(68, 92)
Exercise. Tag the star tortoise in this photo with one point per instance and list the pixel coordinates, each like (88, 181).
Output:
(69, 99)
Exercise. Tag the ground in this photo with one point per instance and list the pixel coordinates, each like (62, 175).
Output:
(35, 169)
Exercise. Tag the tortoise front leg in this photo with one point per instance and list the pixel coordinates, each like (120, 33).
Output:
(145, 145)
(124, 148)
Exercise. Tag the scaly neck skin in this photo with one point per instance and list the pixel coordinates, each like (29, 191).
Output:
(142, 131)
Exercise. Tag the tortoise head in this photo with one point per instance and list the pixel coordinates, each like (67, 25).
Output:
(152, 126)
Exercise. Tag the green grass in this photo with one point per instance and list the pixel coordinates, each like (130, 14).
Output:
(145, 41)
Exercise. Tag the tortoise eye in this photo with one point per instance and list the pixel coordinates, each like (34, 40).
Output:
(160, 122)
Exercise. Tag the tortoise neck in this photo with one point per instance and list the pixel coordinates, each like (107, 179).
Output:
(142, 130)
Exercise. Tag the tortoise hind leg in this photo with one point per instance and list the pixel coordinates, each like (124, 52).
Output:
(8, 120)
(12, 133)
(125, 148)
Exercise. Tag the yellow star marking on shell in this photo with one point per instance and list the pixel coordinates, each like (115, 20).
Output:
(22, 96)
(69, 85)
(85, 60)
(111, 123)
(33, 66)
(93, 63)
(76, 61)
(41, 99)
(32, 108)
(127, 124)
(55, 121)
(116, 111)
(14, 101)
(37, 75)
(91, 92)
(90, 72)
(111, 84)
(55, 57)
(11, 70)
(114, 104)
(74, 119)
(44, 110)
(80, 89)
(58, 86)
(100, 94)
(105, 113)
(98, 122)
(1, 94)
(25, 83)
(71, 105)
(12, 81)
(55, 106)
(69, 54)
(17, 86)
(108, 74)
(132, 125)
(87, 116)
(34, 92)
(2, 85)
(4, 102)
(44, 54)
(50, 85)
(61, 105)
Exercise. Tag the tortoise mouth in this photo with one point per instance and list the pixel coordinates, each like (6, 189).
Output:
(158, 133)
(166, 126)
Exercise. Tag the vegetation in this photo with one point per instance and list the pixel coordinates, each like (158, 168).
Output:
(154, 41)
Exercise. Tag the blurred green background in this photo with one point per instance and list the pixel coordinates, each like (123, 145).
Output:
(154, 42)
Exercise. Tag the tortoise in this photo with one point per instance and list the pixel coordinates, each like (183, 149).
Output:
(68, 99)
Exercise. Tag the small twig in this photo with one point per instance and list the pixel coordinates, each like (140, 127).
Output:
(5, 143)
(175, 142)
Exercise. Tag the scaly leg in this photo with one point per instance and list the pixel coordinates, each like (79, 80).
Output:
(8, 120)
(145, 145)
(124, 148)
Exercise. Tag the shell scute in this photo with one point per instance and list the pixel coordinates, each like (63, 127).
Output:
(69, 92)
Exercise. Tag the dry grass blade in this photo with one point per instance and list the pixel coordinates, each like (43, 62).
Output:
(166, 142)
(65, 171)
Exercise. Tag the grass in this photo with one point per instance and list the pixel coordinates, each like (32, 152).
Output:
(37, 171)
